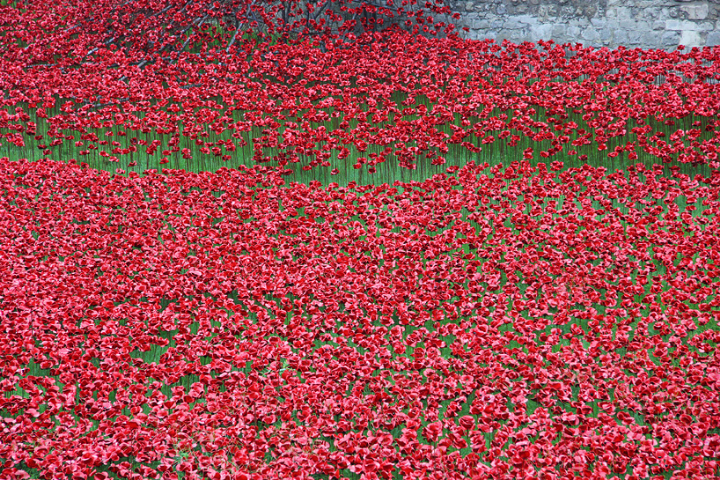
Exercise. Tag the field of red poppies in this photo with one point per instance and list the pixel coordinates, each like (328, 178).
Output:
(304, 249)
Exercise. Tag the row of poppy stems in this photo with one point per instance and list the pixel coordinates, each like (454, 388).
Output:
(411, 99)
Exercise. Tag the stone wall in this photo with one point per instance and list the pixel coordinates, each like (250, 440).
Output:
(663, 24)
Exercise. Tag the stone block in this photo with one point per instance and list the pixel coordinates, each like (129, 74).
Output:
(651, 40)
(540, 32)
(490, 34)
(526, 19)
(573, 31)
(687, 25)
(513, 23)
(558, 31)
(650, 13)
(590, 35)
(713, 39)
(605, 36)
(691, 39)
(627, 37)
(635, 37)
(619, 11)
(697, 11)
(481, 24)
(670, 39)
(633, 25)
(705, 27)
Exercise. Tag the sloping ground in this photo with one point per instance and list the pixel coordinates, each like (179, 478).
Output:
(490, 322)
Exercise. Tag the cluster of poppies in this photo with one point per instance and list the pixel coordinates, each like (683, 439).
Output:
(319, 102)
(519, 319)
(490, 322)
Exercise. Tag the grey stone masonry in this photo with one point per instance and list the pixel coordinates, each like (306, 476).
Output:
(648, 24)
